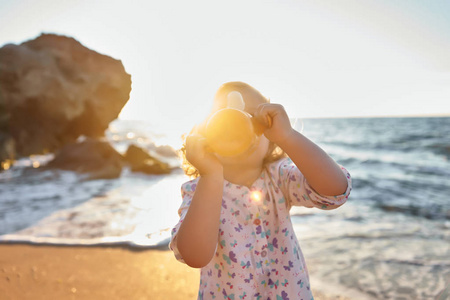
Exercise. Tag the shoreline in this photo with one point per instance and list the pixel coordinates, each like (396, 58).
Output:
(31, 271)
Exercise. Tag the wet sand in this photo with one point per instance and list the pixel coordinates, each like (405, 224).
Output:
(61, 272)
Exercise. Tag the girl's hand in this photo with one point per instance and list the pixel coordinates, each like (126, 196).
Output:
(280, 128)
(199, 156)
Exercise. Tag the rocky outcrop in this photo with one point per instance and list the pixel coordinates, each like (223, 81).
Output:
(7, 144)
(52, 90)
(141, 161)
(97, 159)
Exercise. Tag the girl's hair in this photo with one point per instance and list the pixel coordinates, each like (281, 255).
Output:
(273, 154)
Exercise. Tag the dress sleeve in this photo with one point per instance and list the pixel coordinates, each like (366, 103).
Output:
(187, 192)
(298, 192)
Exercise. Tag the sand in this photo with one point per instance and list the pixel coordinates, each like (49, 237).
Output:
(61, 272)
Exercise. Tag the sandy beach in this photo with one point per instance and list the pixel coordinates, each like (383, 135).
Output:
(60, 272)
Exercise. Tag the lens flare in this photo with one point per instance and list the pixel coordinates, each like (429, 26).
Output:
(6, 164)
(256, 196)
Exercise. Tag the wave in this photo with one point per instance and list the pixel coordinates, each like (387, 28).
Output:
(155, 240)
(423, 198)
(433, 212)
(139, 213)
(440, 148)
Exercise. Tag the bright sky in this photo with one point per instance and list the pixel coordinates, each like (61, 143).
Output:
(317, 58)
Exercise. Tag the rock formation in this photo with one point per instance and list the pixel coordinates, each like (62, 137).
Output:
(97, 159)
(52, 90)
(141, 161)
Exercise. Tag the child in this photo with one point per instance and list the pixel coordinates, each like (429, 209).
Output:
(234, 218)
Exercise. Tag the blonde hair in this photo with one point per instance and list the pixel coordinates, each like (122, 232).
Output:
(273, 154)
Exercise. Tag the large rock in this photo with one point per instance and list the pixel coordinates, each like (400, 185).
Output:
(52, 90)
(97, 159)
(7, 144)
(141, 161)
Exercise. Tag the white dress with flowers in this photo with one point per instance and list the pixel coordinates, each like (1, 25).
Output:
(258, 255)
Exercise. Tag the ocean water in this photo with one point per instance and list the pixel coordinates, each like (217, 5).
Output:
(391, 240)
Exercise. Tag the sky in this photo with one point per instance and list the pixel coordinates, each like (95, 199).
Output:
(348, 58)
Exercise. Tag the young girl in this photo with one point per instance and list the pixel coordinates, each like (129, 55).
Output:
(234, 218)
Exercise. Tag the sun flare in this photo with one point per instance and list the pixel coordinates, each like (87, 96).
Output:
(256, 196)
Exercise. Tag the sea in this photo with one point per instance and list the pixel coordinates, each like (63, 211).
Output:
(391, 240)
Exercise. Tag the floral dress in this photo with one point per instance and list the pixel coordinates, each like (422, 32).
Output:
(257, 254)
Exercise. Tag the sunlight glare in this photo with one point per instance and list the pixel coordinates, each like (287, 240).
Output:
(6, 164)
(256, 196)
(158, 206)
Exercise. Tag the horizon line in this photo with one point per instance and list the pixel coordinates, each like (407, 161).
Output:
(438, 115)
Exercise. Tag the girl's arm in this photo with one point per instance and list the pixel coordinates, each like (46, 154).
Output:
(198, 234)
(319, 169)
